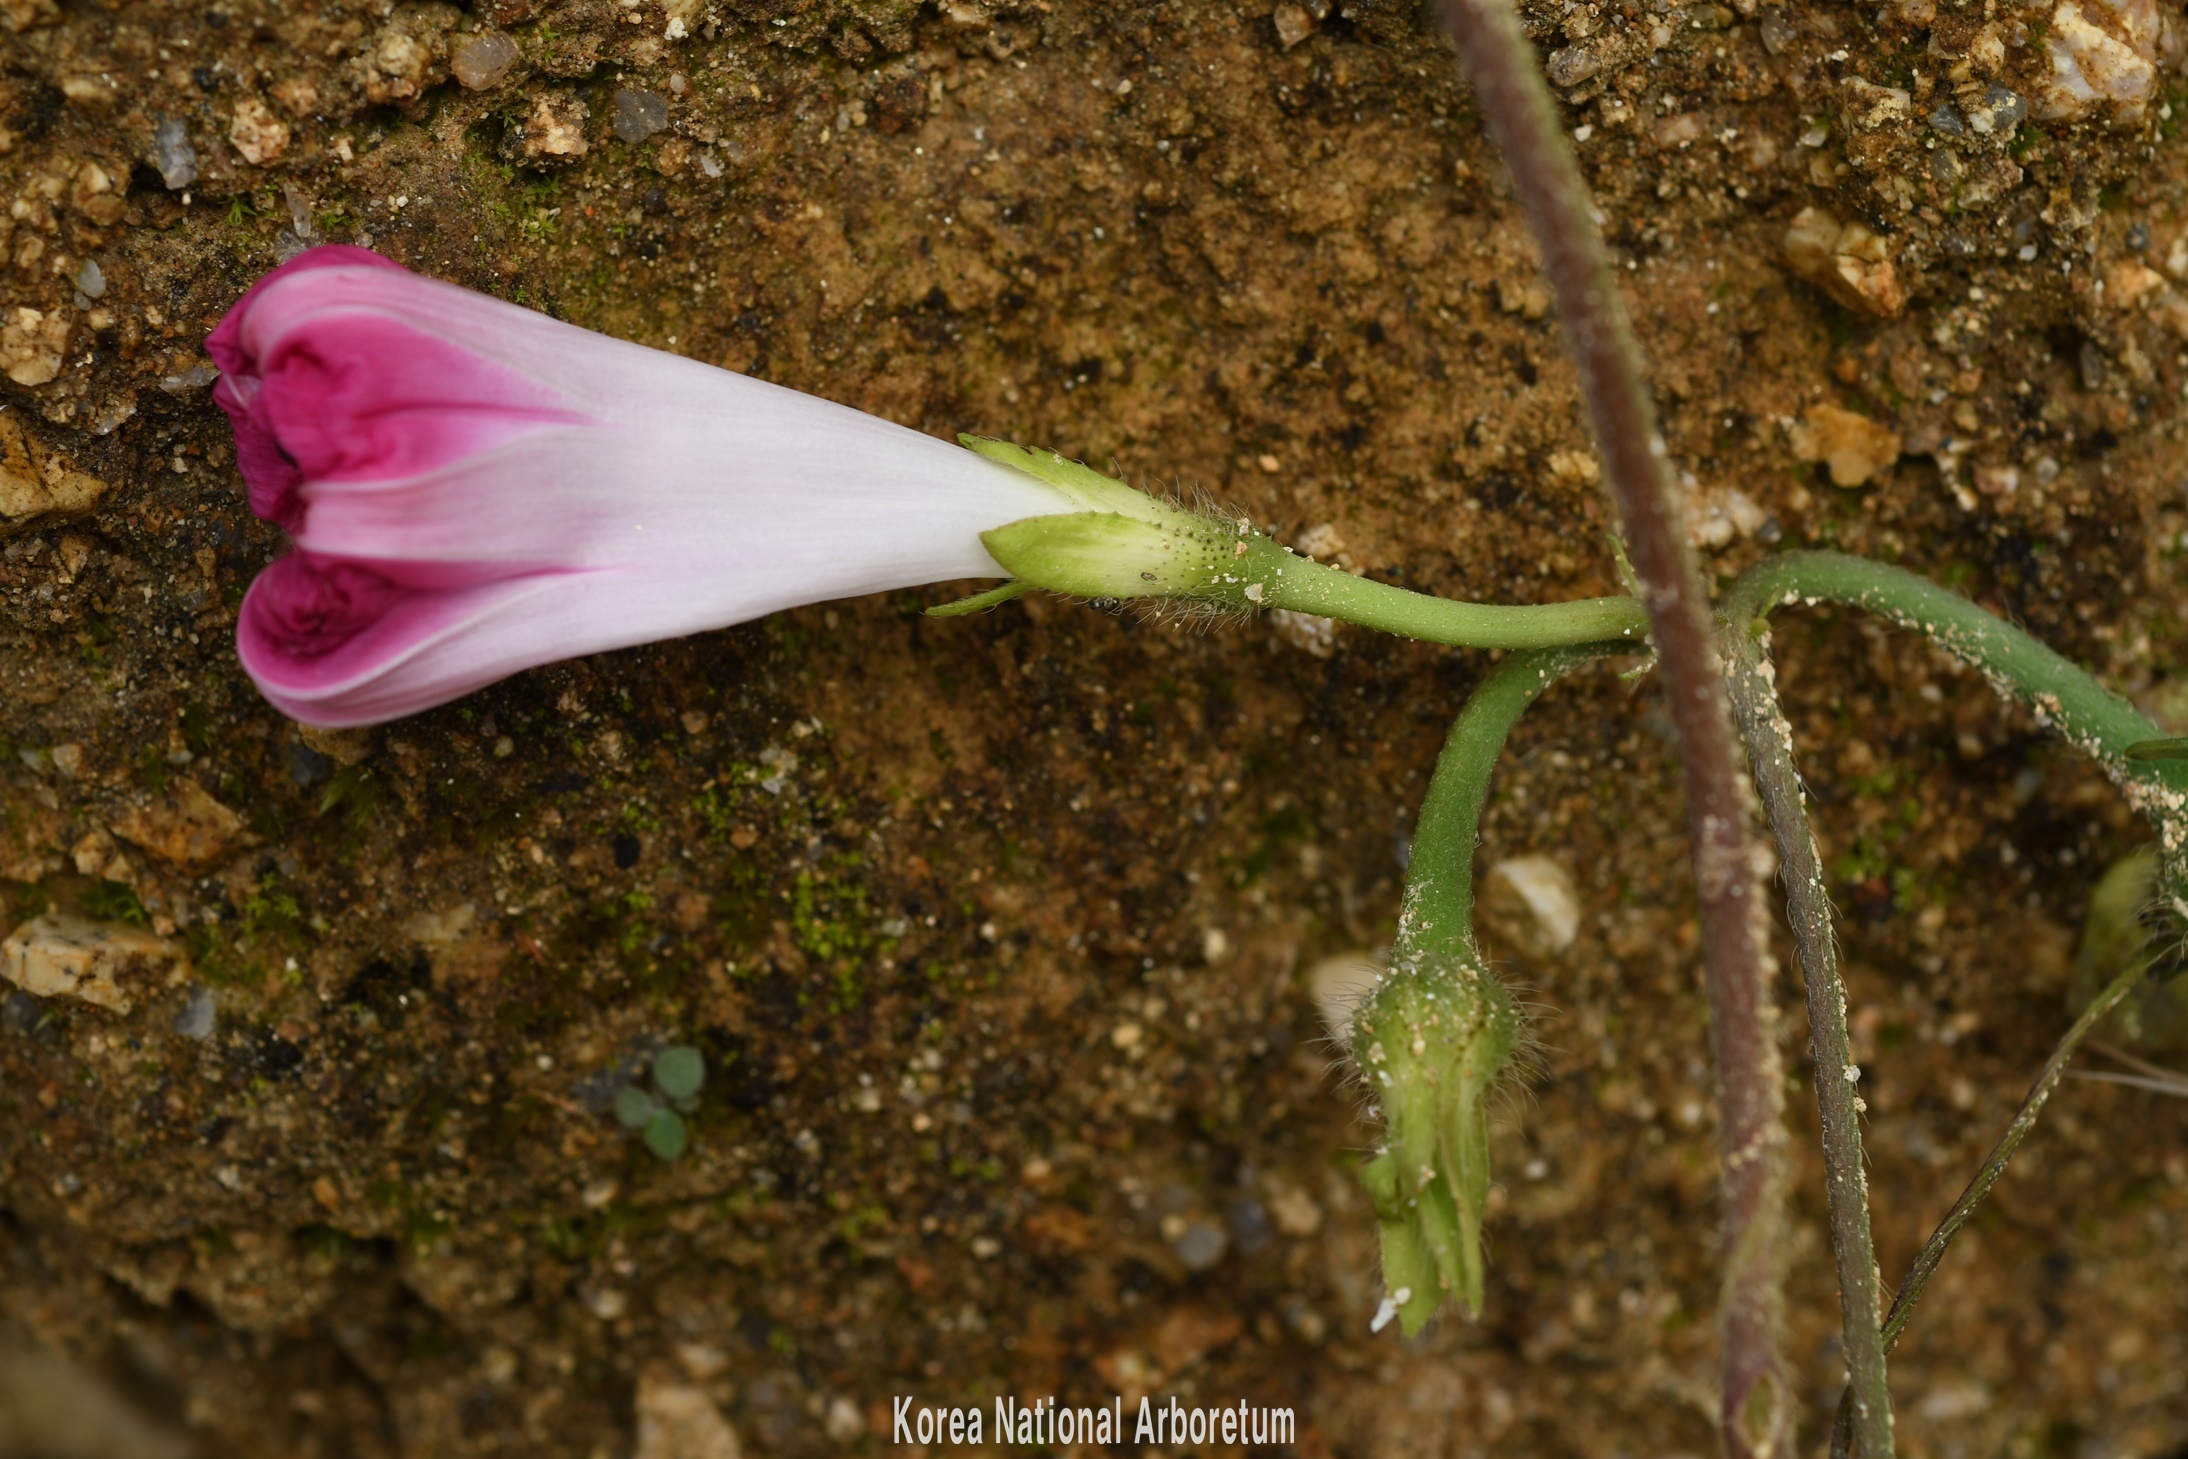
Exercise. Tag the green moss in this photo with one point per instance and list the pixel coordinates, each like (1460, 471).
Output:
(830, 920)
(214, 954)
(354, 791)
(862, 1219)
(111, 901)
(715, 807)
(423, 1226)
(634, 929)
(271, 913)
(326, 1242)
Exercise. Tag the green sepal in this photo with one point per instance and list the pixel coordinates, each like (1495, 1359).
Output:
(980, 602)
(1409, 1267)
(1123, 543)
(1433, 1040)
(1086, 488)
(1105, 555)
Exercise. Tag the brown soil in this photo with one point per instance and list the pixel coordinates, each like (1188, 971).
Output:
(995, 933)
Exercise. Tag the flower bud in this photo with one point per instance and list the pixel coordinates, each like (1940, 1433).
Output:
(2135, 913)
(1432, 1041)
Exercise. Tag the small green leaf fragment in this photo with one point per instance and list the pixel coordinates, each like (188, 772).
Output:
(1626, 574)
(680, 1071)
(665, 1134)
(634, 1107)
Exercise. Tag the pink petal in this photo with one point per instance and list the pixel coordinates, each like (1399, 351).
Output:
(362, 398)
(330, 647)
(268, 473)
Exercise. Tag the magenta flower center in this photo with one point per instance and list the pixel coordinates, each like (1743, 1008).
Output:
(309, 606)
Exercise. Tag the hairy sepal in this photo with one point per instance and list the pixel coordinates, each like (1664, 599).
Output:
(1433, 1041)
(1123, 543)
(1105, 555)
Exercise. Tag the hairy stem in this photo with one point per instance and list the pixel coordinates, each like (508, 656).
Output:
(1846, 1183)
(1436, 915)
(1435, 1036)
(1306, 586)
(2093, 719)
(2096, 721)
(1994, 1165)
(1523, 119)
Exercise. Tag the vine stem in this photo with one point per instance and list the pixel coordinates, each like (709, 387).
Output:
(1994, 1166)
(1306, 586)
(1436, 915)
(2094, 720)
(1522, 117)
(1867, 1407)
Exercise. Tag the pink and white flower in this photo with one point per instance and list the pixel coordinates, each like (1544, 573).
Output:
(475, 489)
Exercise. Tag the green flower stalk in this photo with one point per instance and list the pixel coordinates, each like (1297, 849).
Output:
(1124, 544)
(1440, 1030)
(2151, 771)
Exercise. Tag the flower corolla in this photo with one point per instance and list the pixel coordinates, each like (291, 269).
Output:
(474, 489)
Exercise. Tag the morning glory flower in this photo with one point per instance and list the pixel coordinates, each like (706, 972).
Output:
(474, 489)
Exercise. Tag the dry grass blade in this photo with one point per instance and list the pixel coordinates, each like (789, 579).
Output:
(2147, 1075)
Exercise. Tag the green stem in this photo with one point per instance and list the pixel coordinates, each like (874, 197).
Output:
(2093, 719)
(1436, 915)
(1769, 739)
(1306, 586)
(2099, 723)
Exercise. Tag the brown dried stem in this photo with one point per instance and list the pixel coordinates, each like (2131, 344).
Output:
(1523, 120)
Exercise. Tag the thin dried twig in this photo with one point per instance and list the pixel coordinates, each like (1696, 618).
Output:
(1523, 119)
(2177, 1086)
(2147, 1075)
(1994, 1165)
(1808, 907)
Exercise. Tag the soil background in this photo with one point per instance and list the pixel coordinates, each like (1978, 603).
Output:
(1005, 939)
